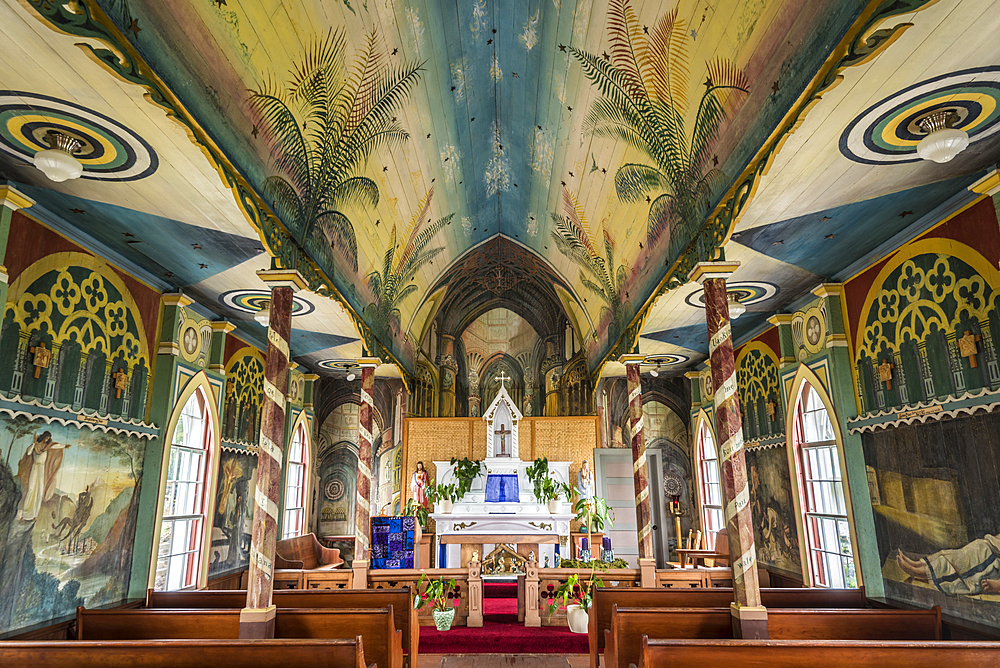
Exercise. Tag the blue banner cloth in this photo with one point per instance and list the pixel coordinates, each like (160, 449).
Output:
(392, 542)
(502, 487)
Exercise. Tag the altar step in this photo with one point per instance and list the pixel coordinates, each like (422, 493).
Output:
(504, 661)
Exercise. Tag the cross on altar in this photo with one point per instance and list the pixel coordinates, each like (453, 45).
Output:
(503, 377)
(502, 433)
(885, 373)
(967, 348)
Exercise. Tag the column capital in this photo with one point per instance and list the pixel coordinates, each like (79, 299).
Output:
(828, 289)
(372, 362)
(779, 319)
(311, 376)
(283, 278)
(692, 374)
(222, 326)
(632, 358)
(14, 199)
(704, 271)
(988, 185)
(177, 299)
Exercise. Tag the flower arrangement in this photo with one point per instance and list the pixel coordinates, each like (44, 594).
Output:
(573, 591)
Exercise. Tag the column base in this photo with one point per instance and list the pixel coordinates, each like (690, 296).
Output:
(257, 623)
(749, 622)
(647, 572)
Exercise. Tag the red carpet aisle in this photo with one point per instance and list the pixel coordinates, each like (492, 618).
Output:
(501, 633)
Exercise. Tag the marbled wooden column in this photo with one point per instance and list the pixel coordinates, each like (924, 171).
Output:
(642, 513)
(362, 516)
(749, 617)
(257, 619)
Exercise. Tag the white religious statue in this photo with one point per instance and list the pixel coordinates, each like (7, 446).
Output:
(585, 481)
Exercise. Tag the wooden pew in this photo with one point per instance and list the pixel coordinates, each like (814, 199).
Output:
(808, 653)
(628, 625)
(714, 597)
(399, 599)
(376, 625)
(341, 653)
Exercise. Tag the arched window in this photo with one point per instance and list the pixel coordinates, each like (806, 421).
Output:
(179, 553)
(294, 523)
(709, 486)
(821, 494)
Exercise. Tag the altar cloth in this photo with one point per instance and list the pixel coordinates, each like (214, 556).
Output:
(502, 488)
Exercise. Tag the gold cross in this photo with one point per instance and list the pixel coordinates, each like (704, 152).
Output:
(121, 380)
(967, 348)
(885, 373)
(770, 409)
(42, 357)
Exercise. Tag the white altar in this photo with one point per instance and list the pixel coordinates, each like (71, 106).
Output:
(475, 518)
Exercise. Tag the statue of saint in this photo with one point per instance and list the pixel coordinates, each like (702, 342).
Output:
(418, 485)
(585, 481)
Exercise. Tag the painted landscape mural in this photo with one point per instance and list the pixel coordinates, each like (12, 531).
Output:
(68, 511)
(774, 531)
(233, 511)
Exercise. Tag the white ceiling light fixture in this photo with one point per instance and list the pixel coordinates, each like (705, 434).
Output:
(655, 372)
(736, 309)
(351, 376)
(58, 162)
(942, 143)
(263, 314)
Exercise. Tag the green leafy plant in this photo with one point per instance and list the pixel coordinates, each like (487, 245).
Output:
(466, 471)
(414, 509)
(594, 513)
(444, 493)
(321, 129)
(644, 97)
(538, 474)
(596, 564)
(442, 595)
(574, 591)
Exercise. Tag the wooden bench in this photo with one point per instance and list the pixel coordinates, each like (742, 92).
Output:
(714, 597)
(660, 653)
(376, 625)
(305, 553)
(399, 599)
(343, 653)
(628, 625)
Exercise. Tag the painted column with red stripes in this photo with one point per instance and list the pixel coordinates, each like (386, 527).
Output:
(749, 617)
(257, 619)
(362, 515)
(642, 513)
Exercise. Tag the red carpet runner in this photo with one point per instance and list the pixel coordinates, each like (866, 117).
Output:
(501, 633)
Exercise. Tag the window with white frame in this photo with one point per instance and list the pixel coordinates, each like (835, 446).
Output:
(179, 553)
(822, 495)
(294, 523)
(711, 489)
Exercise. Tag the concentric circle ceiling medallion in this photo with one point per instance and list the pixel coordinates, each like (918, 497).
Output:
(110, 151)
(339, 365)
(747, 293)
(251, 301)
(665, 360)
(888, 131)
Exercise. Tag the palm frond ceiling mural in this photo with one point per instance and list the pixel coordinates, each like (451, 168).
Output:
(344, 118)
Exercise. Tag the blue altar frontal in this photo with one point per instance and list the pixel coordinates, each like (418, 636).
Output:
(502, 487)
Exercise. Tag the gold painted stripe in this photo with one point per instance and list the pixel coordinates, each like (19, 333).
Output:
(644, 533)
(639, 463)
(738, 504)
(274, 338)
(271, 392)
(636, 428)
(719, 338)
(643, 495)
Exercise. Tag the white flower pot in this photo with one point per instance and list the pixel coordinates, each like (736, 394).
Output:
(577, 618)
(555, 505)
(446, 506)
(443, 619)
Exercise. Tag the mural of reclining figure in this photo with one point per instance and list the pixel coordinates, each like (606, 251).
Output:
(970, 570)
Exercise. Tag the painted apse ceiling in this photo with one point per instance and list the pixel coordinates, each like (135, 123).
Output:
(438, 159)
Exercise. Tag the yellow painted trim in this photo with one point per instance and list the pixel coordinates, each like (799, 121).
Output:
(199, 381)
(176, 299)
(705, 270)
(223, 326)
(937, 246)
(747, 348)
(828, 290)
(781, 319)
(987, 185)
(806, 375)
(277, 278)
(242, 352)
(14, 199)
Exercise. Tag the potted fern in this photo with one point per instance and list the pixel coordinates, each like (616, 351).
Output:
(444, 596)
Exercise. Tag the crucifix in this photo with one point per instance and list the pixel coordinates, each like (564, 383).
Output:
(42, 357)
(121, 380)
(967, 348)
(502, 433)
(885, 373)
(503, 377)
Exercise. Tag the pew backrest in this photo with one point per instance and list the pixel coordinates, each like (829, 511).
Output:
(399, 599)
(663, 653)
(376, 626)
(305, 552)
(714, 597)
(340, 653)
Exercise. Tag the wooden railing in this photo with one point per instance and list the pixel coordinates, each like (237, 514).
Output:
(469, 611)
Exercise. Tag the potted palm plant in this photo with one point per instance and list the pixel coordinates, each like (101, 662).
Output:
(444, 596)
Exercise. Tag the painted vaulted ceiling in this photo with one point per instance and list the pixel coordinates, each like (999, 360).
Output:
(417, 157)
